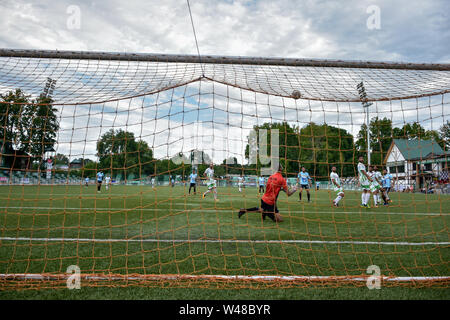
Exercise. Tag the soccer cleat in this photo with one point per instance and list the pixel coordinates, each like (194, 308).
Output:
(335, 204)
(367, 206)
(203, 196)
(241, 213)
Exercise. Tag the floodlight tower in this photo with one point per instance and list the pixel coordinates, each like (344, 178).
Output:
(366, 105)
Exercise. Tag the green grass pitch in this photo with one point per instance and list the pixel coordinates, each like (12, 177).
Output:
(409, 238)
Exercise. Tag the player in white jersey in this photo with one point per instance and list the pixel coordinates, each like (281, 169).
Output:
(375, 185)
(153, 182)
(365, 181)
(334, 177)
(107, 182)
(211, 183)
(240, 182)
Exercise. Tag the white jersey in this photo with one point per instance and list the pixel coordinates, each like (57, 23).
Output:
(240, 180)
(210, 173)
(334, 176)
(107, 180)
(376, 175)
(362, 177)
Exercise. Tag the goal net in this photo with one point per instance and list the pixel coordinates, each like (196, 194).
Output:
(149, 127)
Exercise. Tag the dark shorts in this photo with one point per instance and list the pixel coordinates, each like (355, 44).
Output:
(387, 189)
(269, 210)
(192, 185)
(99, 182)
(304, 186)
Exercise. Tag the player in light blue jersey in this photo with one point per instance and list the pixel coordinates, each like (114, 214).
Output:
(99, 180)
(86, 182)
(262, 183)
(304, 179)
(193, 181)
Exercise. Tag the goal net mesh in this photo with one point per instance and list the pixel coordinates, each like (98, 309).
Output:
(146, 121)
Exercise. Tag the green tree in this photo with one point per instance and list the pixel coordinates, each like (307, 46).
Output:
(323, 146)
(120, 154)
(416, 131)
(41, 126)
(13, 105)
(314, 146)
(444, 134)
(29, 125)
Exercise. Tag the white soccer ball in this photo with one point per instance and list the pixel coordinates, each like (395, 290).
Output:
(296, 94)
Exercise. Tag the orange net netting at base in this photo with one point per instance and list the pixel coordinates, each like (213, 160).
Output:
(148, 127)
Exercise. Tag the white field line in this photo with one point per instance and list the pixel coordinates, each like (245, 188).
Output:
(226, 241)
(36, 276)
(363, 212)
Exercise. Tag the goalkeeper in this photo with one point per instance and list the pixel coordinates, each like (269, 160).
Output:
(274, 185)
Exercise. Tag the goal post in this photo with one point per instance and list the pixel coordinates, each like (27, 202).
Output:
(104, 173)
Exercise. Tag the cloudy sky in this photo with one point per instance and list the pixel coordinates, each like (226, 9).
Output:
(399, 30)
(409, 30)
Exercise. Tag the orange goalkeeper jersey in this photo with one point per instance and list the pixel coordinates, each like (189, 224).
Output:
(275, 183)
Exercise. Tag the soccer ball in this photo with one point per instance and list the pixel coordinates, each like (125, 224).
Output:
(296, 94)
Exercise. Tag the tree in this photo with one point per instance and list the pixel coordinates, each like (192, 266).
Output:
(288, 146)
(323, 146)
(29, 125)
(12, 106)
(416, 131)
(41, 126)
(60, 159)
(316, 147)
(444, 134)
(120, 153)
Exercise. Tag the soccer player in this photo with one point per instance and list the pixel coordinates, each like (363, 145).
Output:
(99, 180)
(193, 181)
(274, 185)
(337, 186)
(107, 182)
(153, 182)
(365, 181)
(304, 179)
(172, 182)
(240, 182)
(386, 182)
(211, 183)
(261, 184)
(376, 185)
(86, 182)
